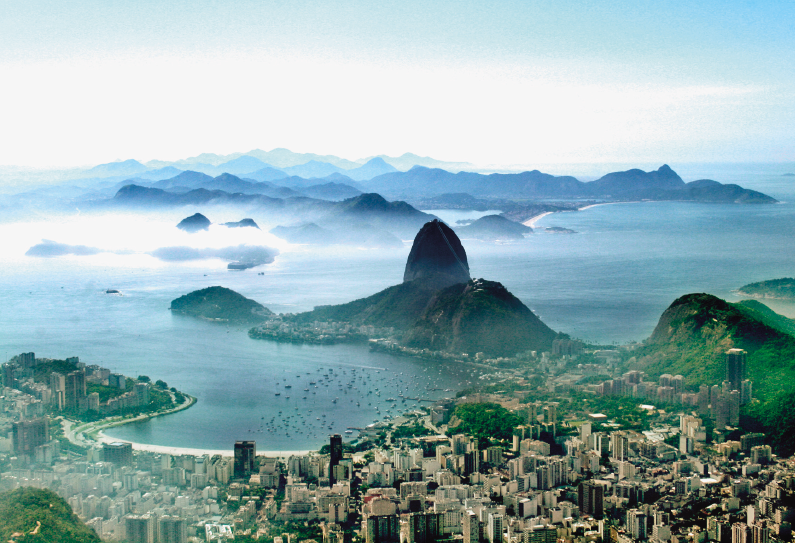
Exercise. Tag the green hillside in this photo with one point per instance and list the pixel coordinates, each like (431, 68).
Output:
(695, 332)
(31, 515)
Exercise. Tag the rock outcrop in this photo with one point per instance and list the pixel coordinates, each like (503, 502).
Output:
(437, 257)
(242, 224)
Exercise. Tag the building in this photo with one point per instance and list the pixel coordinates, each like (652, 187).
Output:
(118, 452)
(75, 389)
(423, 527)
(29, 434)
(735, 368)
(591, 498)
(139, 529)
(245, 453)
(172, 530)
(383, 529)
(335, 455)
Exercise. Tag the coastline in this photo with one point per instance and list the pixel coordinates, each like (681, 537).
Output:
(177, 451)
(531, 222)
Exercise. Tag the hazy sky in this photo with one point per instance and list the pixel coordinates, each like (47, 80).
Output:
(493, 82)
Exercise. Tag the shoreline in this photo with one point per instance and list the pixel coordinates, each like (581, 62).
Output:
(531, 222)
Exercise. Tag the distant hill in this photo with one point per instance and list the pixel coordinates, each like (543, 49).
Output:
(375, 209)
(782, 289)
(406, 161)
(494, 227)
(661, 184)
(373, 167)
(696, 330)
(358, 234)
(265, 174)
(34, 515)
(220, 304)
(194, 223)
(111, 169)
(331, 191)
(243, 223)
(313, 168)
(243, 164)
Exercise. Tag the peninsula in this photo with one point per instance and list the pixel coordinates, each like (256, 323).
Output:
(222, 305)
(777, 289)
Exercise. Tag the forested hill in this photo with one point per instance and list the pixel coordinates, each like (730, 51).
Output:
(695, 332)
(31, 515)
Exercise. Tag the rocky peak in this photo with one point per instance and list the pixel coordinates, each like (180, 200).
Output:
(438, 256)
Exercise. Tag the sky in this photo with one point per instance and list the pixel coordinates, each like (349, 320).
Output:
(493, 83)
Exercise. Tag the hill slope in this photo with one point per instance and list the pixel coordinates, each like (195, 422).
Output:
(479, 316)
(24, 508)
(782, 289)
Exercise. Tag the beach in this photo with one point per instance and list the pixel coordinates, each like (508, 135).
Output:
(177, 451)
(531, 222)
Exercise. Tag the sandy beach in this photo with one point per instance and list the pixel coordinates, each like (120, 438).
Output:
(176, 451)
(531, 222)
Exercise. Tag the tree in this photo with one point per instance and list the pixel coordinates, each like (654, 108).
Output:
(161, 384)
(144, 379)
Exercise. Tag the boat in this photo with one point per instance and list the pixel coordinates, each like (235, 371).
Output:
(278, 393)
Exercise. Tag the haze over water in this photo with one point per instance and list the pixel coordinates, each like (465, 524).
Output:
(608, 283)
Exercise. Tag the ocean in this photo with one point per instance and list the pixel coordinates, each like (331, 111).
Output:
(606, 284)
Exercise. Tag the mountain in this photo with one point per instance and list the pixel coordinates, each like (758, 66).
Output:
(137, 196)
(34, 515)
(494, 227)
(161, 173)
(243, 164)
(636, 183)
(331, 191)
(284, 158)
(407, 161)
(662, 184)
(439, 308)
(373, 167)
(313, 168)
(309, 233)
(781, 289)
(111, 169)
(189, 179)
(694, 333)
(437, 257)
(266, 174)
(220, 304)
(375, 209)
(194, 223)
(245, 223)
(479, 316)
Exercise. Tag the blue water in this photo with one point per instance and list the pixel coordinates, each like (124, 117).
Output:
(607, 283)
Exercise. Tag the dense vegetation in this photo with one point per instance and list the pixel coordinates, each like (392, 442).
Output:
(692, 338)
(695, 332)
(485, 421)
(222, 304)
(24, 508)
(783, 289)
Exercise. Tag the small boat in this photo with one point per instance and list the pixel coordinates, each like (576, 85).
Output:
(278, 393)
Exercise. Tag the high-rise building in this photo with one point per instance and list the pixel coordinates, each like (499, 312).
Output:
(75, 389)
(119, 452)
(58, 389)
(245, 453)
(495, 528)
(591, 498)
(140, 529)
(423, 527)
(335, 455)
(383, 529)
(29, 434)
(471, 527)
(172, 530)
(735, 367)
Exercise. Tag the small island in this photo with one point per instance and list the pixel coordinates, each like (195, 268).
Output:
(194, 223)
(221, 305)
(558, 230)
(776, 289)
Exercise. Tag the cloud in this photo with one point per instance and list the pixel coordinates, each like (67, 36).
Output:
(48, 248)
(255, 255)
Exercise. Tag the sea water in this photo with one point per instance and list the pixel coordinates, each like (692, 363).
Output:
(608, 283)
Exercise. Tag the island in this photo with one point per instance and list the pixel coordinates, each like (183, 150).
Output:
(558, 230)
(244, 223)
(195, 223)
(494, 227)
(776, 289)
(220, 304)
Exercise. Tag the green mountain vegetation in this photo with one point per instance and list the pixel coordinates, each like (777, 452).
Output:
(783, 289)
(493, 227)
(40, 516)
(479, 316)
(695, 332)
(220, 304)
(484, 421)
